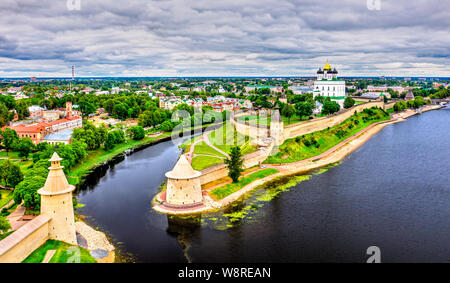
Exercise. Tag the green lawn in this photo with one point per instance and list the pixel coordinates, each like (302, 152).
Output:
(11, 154)
(226, 190)
(202, 162)
(223, 139)
(313, 144)
(203, 148)
(227, 137)
(65, 253)
(5, 197)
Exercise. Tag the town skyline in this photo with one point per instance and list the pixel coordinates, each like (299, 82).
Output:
(200, 39)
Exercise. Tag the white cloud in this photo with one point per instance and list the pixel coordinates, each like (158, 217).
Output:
(220, 38)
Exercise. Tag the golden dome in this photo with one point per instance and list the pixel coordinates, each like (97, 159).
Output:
(327, 66)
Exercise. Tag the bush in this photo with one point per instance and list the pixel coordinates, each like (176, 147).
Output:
(349, 102)
(330, 107)
(137, 132)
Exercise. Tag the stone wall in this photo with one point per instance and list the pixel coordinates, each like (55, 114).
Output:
(245, 128)
(20, 244)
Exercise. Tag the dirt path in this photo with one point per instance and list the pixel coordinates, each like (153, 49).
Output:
(14, 217)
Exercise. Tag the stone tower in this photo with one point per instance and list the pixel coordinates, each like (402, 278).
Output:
(56, 203)
(183, 185)
(277, 127)
(68, 109)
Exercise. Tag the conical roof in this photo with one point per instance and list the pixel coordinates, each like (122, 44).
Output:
(56, 182)
(183, 170)
(55, 157)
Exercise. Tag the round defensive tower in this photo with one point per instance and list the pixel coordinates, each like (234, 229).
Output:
(183, 185)
(56, 203)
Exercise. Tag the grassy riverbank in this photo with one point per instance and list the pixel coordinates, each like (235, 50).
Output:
(314, 144)
(99, 156)
(226, 190)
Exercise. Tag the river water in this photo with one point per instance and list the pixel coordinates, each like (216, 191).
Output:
(393, 193)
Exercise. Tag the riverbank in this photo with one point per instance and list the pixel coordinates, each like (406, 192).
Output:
(333, 155)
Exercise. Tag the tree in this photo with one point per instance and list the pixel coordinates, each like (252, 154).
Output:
(137, 132)
(22, 109)
(235, 164)
(15, 176)
(86, 107)
(5, 166)
(167, 126)
(120, 111)
(26, 191)
(10, 138)
(288, 111)
(303, 109)
(4, 226)
(4, 115)
(24, 146)
(330, 107)
(113, 138)
(109, 142)
(349, 102)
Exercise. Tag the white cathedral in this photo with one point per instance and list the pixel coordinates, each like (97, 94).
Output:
(328, 85)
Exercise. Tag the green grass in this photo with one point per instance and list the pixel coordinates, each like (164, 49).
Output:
(223, 140)
(11, 154)
(65, 253)
(390, 110)
(227, 137)
(304, 147)
(226, 190)
(203, 148)
(6, 196)
(202, 162)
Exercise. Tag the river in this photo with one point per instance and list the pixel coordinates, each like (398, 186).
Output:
(393, 193)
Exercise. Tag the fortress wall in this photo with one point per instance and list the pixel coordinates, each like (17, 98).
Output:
(17, 246)
(318, 124)
(389, 105)
(245, 128)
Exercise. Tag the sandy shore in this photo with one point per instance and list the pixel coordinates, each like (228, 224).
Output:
(95, 241)
(335, 154)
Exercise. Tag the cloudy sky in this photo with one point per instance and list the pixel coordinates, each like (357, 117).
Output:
(224, 37)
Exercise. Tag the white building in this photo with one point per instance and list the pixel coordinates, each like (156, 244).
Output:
(328, 85)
